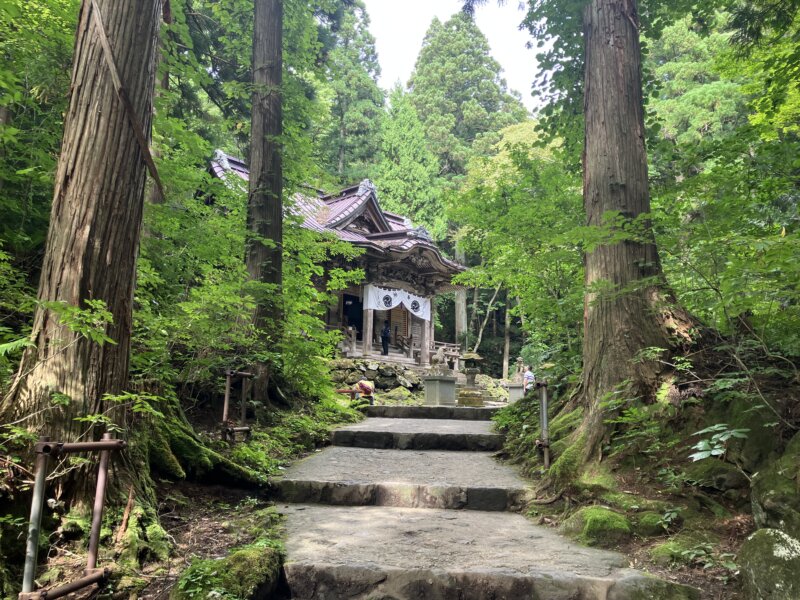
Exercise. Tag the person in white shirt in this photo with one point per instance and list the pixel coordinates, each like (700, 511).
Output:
(528, 379)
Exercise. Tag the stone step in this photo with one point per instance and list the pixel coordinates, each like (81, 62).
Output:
(364, 552)
(414, 479)
(419, 434)
(457, 413)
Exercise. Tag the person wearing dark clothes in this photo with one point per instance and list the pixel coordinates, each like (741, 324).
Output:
(386, 334)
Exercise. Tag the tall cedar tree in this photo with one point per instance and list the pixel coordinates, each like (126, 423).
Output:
(352, 142)
(93, 238)
(264, 203)
(407, 172)
(627, 306)
(458, 92)
(621, 322)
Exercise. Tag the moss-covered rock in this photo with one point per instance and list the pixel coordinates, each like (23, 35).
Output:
(250, 572)
(716, 474)
(649, 524)
(633, 503)
(74, 525)
(680, 548)
(493, 388)
(770, 565)
(776, 492)
(398, 395)
(598, 526)
(597, 478)
(341, 364)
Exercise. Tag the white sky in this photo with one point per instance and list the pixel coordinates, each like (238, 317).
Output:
(399, 26)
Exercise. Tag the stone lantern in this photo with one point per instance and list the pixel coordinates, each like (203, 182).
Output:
(470, 395)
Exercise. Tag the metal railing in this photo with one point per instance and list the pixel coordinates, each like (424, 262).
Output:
(544, 426)
(45, 449)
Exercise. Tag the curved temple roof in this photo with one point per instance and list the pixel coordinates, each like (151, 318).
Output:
(354, 215)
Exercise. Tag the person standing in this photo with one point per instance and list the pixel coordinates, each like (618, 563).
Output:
(528, 380)
(386, 334)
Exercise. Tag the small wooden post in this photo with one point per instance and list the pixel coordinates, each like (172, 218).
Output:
(226, 406)
(245, 394)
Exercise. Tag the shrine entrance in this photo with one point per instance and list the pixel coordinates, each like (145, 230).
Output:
(353, 313)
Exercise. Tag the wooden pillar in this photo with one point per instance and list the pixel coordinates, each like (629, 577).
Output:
(367, 330)
(433, 320)
(424, 344)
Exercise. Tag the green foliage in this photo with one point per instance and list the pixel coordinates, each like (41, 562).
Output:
(518, 210)
(694, 100)
(716, 445)
(36, 48)
(407, 174)
(89, 321)
(357, 108)
(458, 93)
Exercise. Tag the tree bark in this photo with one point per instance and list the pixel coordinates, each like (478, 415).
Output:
(461, 305)
(154, 195)
(507, 335)
(630, 314)
(265, 206)
(95, 224)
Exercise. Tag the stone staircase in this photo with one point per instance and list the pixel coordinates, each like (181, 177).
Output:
(411, 504)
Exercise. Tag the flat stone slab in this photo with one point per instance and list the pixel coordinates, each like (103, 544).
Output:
(432, 412)
(410, 478)
(366, 553)
(419, 434)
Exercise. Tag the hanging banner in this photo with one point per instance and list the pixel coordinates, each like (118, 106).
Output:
(379, 298)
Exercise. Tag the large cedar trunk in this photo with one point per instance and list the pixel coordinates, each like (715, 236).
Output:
(265, 207)
(264, 203)
(154, 195)
(461, 305)
(629, 315)
(95, 222)
(507, 335)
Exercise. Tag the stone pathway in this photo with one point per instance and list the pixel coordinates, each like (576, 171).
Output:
(375, 517)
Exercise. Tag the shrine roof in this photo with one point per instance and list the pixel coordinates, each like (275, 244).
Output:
(354, 215)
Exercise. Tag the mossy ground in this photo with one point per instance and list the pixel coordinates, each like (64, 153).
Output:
(246, 571)
(681, 520)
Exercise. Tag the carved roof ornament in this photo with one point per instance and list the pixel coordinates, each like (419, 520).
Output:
(420, 233)
(420, 261)
(222, 158)
(366, 187)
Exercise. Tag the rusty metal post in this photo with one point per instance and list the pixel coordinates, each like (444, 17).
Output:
(245, 394)
(97, 510)
(227, 404)
(545, 425)
(35, 523)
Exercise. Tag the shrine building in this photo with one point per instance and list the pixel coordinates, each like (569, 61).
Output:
(404, 270)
